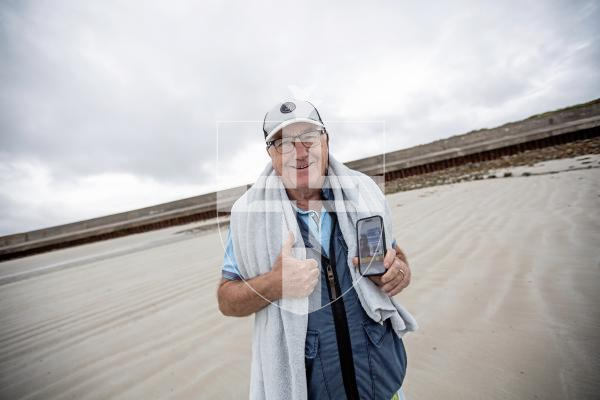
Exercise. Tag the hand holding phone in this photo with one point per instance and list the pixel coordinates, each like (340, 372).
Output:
(370, 236)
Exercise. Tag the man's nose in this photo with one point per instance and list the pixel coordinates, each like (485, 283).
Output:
(301, 150)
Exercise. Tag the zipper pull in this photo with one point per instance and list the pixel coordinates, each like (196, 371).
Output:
(331, 282)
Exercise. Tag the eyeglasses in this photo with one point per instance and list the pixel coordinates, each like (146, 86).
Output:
(308, 139)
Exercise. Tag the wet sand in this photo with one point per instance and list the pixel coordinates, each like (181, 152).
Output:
(506, 279)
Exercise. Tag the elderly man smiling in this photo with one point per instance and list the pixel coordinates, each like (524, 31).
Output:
(350, 337)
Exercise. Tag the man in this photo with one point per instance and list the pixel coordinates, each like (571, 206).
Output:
(347, 354)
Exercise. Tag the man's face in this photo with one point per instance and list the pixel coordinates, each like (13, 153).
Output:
(302, 167)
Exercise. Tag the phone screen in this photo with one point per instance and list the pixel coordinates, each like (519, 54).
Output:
(371, 245)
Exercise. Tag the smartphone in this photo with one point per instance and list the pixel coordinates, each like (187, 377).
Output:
(370, 236)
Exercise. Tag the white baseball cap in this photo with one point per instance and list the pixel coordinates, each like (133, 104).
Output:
(288, 113)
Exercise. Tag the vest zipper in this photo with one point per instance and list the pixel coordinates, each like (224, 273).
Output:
(331, 278)
(340, 321)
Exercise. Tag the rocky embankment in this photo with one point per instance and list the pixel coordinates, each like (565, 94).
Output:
(482, 170)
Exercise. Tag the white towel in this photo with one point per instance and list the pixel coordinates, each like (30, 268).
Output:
(260, 220)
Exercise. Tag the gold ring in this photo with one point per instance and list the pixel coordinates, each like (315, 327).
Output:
(403, 274)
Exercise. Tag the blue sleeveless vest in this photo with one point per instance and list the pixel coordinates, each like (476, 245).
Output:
(347, 356)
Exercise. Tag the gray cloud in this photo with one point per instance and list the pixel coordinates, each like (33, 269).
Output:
(134, 90)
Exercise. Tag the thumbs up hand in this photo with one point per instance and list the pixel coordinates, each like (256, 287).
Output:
(298, 277)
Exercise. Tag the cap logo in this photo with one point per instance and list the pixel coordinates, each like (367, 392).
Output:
(287, 107)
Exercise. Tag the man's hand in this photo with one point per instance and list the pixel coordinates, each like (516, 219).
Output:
(298, 277)
(397, 276)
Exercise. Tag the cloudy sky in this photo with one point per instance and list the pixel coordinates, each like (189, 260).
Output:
(107, 106)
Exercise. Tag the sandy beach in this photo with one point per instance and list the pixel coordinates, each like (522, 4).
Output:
(506, 287)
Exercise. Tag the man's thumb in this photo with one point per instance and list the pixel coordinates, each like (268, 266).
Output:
(286, 250)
